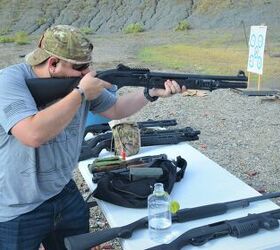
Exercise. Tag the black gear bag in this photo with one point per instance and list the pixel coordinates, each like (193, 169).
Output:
(118, 189)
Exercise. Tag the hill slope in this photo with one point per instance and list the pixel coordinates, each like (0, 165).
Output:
(106, 16)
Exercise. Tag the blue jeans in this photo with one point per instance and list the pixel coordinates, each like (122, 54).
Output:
(63, 215)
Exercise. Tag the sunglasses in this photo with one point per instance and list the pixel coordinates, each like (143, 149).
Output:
(80, 67)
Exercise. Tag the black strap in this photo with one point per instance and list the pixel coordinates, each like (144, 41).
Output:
(182, 164)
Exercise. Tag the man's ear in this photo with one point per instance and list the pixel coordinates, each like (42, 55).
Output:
(52, 63)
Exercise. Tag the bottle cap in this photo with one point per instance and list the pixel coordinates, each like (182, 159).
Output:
(174, 206)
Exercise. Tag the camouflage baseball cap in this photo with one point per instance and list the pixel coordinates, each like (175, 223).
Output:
(62, 41)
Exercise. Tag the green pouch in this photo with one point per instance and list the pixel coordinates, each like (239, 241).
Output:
(101, 162)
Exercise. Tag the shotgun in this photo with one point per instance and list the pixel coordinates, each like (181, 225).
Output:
(47, 90)
(238, 228)
(88, 240)
(93, 147)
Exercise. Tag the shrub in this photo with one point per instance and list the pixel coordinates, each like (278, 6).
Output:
(86, 30)
(133, 28)
(182, 26)
(21, 38)
(6, 39)
(41, 21)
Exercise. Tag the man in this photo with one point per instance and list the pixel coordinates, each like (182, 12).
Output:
(39, 148)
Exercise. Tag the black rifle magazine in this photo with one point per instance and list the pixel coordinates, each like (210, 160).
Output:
(120, 189)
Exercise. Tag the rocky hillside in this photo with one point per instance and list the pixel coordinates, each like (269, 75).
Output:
(108, 16)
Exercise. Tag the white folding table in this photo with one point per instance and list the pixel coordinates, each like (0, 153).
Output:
(205, 182)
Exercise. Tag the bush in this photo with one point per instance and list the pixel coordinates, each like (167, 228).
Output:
(21, 38)
(86, 30)
(133, 28)
(182, 26)
(41, 21)
(6, 39)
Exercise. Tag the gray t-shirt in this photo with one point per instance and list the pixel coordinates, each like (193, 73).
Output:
(29, 176)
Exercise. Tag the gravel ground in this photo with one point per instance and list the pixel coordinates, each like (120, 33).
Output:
(238, 132)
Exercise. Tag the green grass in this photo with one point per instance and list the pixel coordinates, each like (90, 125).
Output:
(207, 57)
(202, 59)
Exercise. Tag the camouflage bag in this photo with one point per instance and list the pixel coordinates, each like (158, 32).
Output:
(126, 138)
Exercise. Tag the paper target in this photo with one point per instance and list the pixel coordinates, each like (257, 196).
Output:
(256, 49)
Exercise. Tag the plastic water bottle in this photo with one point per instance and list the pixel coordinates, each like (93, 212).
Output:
(159, 214)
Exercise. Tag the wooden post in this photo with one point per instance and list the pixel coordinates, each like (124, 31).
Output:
(249, 74)
(259, 82)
